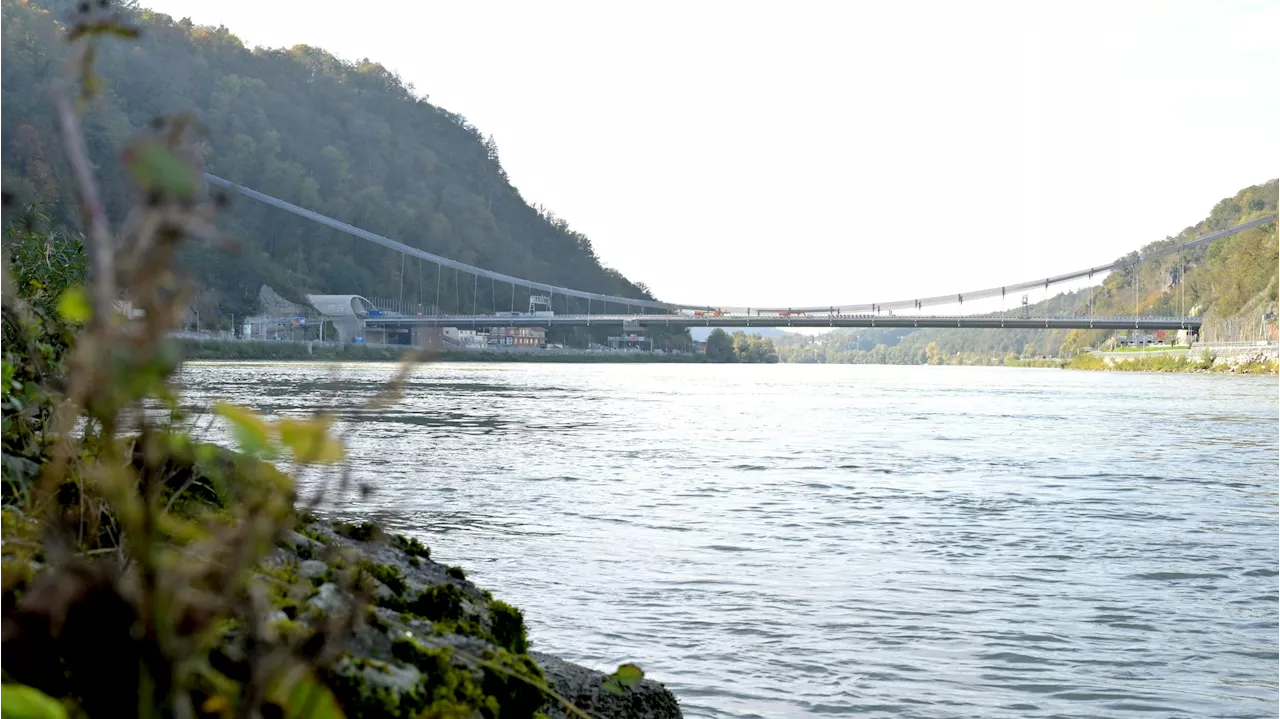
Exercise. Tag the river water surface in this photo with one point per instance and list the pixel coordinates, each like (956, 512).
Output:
(804, 540)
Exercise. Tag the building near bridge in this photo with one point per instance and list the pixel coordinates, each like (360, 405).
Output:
(465, 337)
(633, 341)
(528, 337)
(294, 328)
(346, 312)
(1158, 338)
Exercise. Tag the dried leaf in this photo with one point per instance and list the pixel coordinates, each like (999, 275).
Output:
(215, 704)
(102, 27)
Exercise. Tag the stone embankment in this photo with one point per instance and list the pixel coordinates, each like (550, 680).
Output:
(1242, 357)
(1233, 356)
(426, 639)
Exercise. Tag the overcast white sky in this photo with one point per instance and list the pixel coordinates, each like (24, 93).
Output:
(839, 152)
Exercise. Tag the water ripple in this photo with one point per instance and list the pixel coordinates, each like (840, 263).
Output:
(813, 540)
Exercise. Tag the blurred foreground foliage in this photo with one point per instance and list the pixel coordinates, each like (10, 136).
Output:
(130, 549)
(148, 573)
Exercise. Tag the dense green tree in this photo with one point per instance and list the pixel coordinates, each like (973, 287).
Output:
(720, 346)
(933, 354)
(753, 349)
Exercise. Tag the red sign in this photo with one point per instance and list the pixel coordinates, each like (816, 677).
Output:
(1160, 335)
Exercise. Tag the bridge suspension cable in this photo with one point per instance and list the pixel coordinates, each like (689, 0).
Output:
(438, 259)
(874, 307)
(961, 297)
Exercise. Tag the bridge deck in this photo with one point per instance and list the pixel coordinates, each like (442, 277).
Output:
(744, 321)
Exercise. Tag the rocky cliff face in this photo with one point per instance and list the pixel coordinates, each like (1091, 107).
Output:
(272, 304)
(425, 639)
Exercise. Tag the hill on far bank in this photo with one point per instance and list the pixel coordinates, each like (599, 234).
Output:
(345, 139)
(1232, 283)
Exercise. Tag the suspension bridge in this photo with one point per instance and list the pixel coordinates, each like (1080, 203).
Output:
(680, 320)
(586, 309)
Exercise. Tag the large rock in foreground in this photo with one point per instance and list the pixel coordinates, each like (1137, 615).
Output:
(585, 688)
(426, 641)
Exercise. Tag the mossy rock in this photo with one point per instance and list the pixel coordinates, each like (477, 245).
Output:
(434, 644)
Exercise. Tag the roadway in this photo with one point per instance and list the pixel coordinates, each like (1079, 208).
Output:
(833, 320)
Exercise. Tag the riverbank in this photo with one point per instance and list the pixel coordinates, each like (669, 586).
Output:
(426, 626)
(1253, 362)
(325, 352)
(1040, 362)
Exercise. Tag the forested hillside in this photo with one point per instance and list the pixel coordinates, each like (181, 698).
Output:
(1232, 283)
(349, 140)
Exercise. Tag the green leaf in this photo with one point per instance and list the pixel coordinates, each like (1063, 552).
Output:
(18, 701)
(154, 167)
(302, 697)
(6, 378)
(74, 306)
(206, 453)
(310, 440)
(627, 675)
(251, 431)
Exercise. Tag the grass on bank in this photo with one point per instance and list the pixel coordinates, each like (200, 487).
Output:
(1150, 363)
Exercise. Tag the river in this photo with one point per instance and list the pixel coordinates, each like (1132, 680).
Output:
(805, 540)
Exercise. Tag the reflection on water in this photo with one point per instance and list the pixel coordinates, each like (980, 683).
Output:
(800, 540)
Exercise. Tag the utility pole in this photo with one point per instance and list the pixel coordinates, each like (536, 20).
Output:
(1135, 290)
(1090, 295)
(1182, 285)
